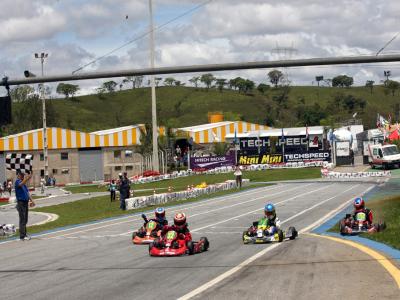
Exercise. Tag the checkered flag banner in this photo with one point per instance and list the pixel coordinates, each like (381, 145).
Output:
(19, 161)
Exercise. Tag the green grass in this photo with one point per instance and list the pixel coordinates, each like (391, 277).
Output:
(99, 208)
(388, 210)
(187, 106)
(3, 203)
(182, 182)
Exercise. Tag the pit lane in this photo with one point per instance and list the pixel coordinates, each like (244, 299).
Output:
(98, 261)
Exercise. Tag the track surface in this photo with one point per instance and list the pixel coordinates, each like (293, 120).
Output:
(98, 261)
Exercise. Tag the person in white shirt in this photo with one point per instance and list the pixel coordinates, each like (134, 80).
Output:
(238, 175)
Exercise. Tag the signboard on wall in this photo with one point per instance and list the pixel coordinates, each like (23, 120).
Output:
(309, 156)
(342, 148)
(211, 162)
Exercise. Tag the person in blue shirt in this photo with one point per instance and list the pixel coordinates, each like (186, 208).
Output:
(24, 200)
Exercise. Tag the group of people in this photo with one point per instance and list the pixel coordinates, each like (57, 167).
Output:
(123, 185)
(181, 156)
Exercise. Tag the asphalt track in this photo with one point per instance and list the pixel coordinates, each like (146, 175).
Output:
(98, 261)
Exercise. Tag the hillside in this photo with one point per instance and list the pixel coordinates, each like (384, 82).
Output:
(186, 106)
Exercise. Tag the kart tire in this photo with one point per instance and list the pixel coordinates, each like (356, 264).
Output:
(280, 235)
(151, 245)
(342, 228)
(382, 226)
(243, 235)
(205, 245)
(293, 231)
(190, 247)
(134, 235)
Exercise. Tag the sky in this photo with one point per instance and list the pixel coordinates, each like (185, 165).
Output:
(75, 32)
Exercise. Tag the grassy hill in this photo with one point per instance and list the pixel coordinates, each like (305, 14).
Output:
(185, 106)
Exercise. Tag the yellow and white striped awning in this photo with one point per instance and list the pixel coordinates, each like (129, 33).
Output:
(216, 132)
(59, 138)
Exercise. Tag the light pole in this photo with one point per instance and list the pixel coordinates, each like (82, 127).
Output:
(42, 57)
(153, 94)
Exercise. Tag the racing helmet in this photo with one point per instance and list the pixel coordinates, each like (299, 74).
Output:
(180, 219)
(359, 203)
(160, 213)
(269, 211)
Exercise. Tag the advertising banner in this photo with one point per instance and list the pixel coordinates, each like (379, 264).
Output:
(211, 162)
(292, 144)
(260, 159)
(309, 156)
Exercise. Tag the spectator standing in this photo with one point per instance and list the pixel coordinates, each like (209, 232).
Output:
(352, 157)
(113, 189)
(124, 188)
(24, 200)
(9, 187)
(238, 175)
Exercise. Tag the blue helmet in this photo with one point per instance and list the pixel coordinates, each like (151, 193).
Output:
(269, 211)
(160, 212)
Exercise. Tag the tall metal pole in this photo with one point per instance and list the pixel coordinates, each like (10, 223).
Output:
(42, 95)
(156, 166)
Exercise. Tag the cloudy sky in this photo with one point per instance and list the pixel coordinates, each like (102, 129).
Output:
(75, 32)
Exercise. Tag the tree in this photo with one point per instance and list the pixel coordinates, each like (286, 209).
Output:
(169, 81)
(220, 148)
(21, 93)
(221, 82)
(392, 86)
(129, 79)
(235, 82)
(342, 81)
(248, 86)
(275, 76)
(109, 86)
(67, 89)
(370, 84)
(207, 79)
(263, 88)
(195, 81)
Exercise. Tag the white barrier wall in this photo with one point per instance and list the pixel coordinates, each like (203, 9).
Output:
(160, 199)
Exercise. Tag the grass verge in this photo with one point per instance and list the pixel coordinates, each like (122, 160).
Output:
(98, 208)
(182, 182)
(388, 210)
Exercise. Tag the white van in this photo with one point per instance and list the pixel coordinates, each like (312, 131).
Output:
(385, 156)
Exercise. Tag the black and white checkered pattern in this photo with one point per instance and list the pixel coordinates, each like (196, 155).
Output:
(19, 161)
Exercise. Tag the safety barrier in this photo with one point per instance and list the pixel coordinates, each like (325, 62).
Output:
(160, 199)
(325, 173)
(229, 169)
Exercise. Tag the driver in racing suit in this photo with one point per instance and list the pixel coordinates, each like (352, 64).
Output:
(159, 219)
(180, 226)
(273, 223)
(359, 206)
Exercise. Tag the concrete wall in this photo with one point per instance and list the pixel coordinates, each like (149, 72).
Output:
(2, 168)
(114, 164)
(67, 171)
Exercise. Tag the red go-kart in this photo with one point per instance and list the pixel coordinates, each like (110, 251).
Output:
(359, 224)
(174, 244)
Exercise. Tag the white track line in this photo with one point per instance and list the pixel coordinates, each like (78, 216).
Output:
(236, 204)
(230, 272)
(132, 218)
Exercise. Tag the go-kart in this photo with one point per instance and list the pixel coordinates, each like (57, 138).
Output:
(359, 224)
(259, 234)
(172, 244)
(147, 234)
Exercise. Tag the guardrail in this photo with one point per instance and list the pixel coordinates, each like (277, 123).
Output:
(160, 199)
(325, 173)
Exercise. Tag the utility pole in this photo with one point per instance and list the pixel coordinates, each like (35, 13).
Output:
(153, 94)
(42, 57)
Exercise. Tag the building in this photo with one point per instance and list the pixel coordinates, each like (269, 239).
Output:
(76, 156)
